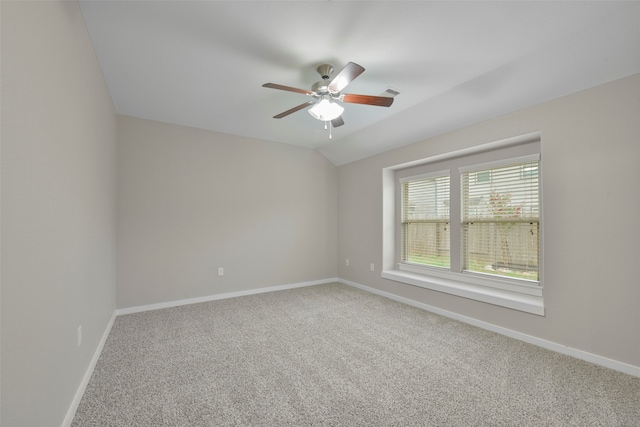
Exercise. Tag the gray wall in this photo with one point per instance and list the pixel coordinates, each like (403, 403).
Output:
(190, 201)
(590, 173)
(58, 209)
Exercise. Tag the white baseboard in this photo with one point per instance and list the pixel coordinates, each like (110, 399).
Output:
(207, 298)
(549, 345)
(87, 375)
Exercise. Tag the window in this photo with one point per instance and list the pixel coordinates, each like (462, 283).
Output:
(468, 223)
(425, 220)
(500, 219)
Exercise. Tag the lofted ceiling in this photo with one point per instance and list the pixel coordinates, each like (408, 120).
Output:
(203, 63)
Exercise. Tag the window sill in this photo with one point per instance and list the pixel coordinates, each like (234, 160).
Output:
(527, 303)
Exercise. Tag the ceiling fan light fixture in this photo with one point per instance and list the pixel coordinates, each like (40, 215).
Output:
(325, 110)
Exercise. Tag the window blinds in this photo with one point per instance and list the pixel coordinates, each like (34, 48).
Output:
(425, 220)
(500, 219)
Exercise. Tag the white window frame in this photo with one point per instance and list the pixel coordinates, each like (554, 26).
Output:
(516, 294)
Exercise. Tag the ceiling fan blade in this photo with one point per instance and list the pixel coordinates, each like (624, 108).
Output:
(345, 76)
(380, 101)
(294, 109)
(288, 88)
(337, 122)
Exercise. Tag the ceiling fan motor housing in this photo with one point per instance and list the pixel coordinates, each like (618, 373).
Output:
(320, 88)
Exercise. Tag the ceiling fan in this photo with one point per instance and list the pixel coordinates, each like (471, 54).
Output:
(325, 93)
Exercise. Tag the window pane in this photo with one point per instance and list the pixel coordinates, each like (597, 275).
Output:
(426, 243)
(425, 221)
(500, 226)
(504, 249)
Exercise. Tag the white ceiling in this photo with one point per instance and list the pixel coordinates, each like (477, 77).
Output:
(202, 63)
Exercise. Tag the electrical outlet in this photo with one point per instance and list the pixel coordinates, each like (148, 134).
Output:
(79, 335)
(220, 271)
(346, 262)
(372, 267)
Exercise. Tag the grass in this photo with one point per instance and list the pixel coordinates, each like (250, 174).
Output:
(475, 266)
(482, 267)
(430, 260)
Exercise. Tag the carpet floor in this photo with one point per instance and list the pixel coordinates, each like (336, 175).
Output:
(337, 356)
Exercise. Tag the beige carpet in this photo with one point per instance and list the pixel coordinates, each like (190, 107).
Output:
(337, 356)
